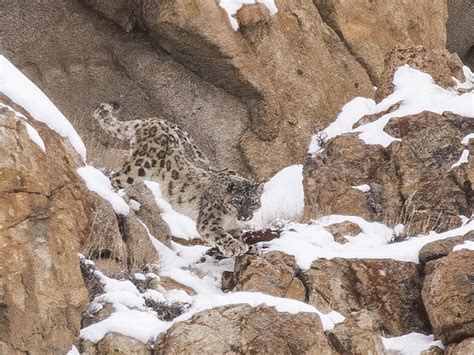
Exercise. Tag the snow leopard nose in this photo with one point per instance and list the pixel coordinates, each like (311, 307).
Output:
(115, 105)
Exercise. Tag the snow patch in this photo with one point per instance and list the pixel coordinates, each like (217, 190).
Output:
(308, 242)
(73, 351)
(181, 226)
(35, 136)
(232, 6)
(464, 159)
(99, 183)
(411, 344)
(363, 188)
(282, 198)
(414, 92)
(15, 85)
(465, 140)
(467, 245)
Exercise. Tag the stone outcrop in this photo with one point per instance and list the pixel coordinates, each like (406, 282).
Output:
(114, 343)
(371, 29)
(357, 335)
(447, 295)
(460, 37)
(42, 219)
(464, 347)
(389, 290)
(441, 248)
(411, 180)
(274, 273)
(439, 63)
(243, 329)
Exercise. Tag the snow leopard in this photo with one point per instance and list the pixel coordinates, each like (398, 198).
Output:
(219, 200)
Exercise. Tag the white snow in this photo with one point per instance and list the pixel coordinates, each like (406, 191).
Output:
(467, 245)
(411, 344)
(32, 132)
(35, 136)
(282, 199)
(464, 159)
(73, 351)
(415, 91)
(99, 183)
(465, 140)
(232, 6)
(310, 242)
(181, 226)
(363, 188)
(23, 92)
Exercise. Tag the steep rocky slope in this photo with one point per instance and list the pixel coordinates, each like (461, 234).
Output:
(372, 233)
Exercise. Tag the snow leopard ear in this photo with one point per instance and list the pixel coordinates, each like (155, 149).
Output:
(260, 188)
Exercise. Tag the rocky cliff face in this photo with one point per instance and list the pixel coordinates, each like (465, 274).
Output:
(382, 262)
(169, 59)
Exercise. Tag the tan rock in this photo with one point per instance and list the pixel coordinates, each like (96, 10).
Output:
(340, 230)
(42, 219)
(274, 273)
(169, 284)
(141, 251)
(297, 49)
(243, 329)
(441, 248)
(357, 335)
(447, 296)
(114, 343)
(460, 38)
(150, 214)
(433, 350)
(464, 347)
(439, 63)
(372, 28)
(252, 15)
(387, 289)
(411, 181)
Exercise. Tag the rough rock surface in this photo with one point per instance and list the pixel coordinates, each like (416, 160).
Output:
(228, 93)
(460, 37)
(400, 23)
(447, 295)
(274, 273)
(357, 335)
(114, 343)
(440, 64)
(243, 329)
(340, 230)
(389, 290)
(464, 347)
(441, 248)
(411, 181)
(42, 218)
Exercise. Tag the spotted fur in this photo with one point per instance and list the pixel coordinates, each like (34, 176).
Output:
(219, 200)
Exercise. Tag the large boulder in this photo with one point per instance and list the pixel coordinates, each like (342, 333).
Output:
(464, 347)
(460, 37)
(43, 216)
(357, 335)
(387, 25)
(243, 329)
(442, 65)
(389, 290)
(274, 273)
(447, 295)
(411, 181)
(441, 248)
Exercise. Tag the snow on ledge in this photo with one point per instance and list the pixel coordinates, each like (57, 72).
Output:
(411, 344)
(467, 245)
(414, 91)
(99, 183)
(15, 85)
(363, 188)
(232, 6)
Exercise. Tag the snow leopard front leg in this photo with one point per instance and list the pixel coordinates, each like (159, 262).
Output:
(210, 228)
